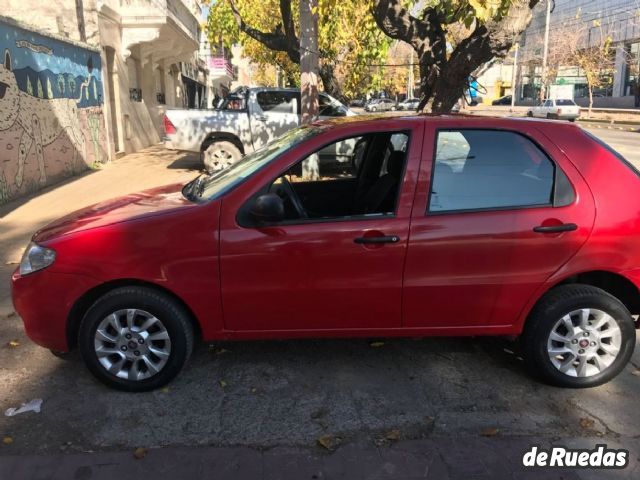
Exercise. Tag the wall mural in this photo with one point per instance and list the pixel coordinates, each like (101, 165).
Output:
(51, 111)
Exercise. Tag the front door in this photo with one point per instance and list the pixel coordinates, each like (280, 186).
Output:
(336, 260)
(495, 217)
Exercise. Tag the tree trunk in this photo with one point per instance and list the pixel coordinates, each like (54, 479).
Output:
(590, 100)
(309, 76)
(330, 83)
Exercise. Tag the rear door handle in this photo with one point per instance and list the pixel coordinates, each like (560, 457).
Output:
(382, 239)
(564, 227)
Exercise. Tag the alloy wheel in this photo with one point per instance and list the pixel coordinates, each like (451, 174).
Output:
(132, 344)
(584, 342)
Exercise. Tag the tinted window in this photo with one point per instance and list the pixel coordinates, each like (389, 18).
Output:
(485, 169)
(548, 103)
(278, 102)
(565, 103)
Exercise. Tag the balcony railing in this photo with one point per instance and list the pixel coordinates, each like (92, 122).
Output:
(147, 10)
(219, 66)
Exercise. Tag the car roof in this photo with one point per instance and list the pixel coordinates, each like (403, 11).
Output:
(474, 121)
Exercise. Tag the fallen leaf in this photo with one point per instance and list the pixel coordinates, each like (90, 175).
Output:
(220, 351)
(376, 344)
(254, 390)
(139, 453)
(327, 441)
(393, 435)
(165, 390)
(222, 383)
(489, 432)
(12, 262)
(7, 440)
(586, 422)
(14, 343)
(636, 372)
(12, 314)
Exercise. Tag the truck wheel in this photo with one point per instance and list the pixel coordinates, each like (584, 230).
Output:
(135, 339)
(220, 155)
(578, 336)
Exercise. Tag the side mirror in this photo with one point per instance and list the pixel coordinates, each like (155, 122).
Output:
(267, 208)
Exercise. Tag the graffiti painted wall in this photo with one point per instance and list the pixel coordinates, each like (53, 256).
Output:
(51, 111)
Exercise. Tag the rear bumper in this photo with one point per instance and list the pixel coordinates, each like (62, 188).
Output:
(43, 300)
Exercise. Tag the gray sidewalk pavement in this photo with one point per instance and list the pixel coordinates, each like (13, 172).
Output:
(473, 458)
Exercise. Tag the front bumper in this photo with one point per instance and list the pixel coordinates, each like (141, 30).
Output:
(43, 300)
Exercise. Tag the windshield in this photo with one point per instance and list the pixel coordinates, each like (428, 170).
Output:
(208, 187)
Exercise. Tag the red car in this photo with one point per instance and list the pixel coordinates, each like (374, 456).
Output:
(445, 225)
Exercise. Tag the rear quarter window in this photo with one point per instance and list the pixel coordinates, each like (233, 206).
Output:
(565, 103)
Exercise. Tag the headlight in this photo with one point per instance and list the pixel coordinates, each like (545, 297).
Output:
(36, 258)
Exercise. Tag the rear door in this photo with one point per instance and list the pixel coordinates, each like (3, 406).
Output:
(497, 212)
(273, 112)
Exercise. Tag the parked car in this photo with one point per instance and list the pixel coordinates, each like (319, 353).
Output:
(563, 109)
(381, 105)
(445, 225)
(247, 119)
(409, 104)
(505, 100)
(357, 102)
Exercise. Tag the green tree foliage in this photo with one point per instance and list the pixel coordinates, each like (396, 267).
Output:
(349, 39)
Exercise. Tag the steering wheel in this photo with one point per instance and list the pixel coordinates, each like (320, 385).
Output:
(293, 196)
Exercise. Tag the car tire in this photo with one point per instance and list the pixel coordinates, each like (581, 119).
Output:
(219, 155)
(156, 362)
(529, 113)
(547, 354)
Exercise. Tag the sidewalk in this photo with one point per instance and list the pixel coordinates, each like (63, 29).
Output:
(473, 458)
(21, 218)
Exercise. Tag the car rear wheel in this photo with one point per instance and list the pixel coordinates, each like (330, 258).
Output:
(135, 339)
(529, 113)
(578, 336)
(220, 155)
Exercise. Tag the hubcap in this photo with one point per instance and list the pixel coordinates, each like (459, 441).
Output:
(132, 344)
(584, 342)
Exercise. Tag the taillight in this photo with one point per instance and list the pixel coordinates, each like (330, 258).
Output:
(559, 112)
(169, 128)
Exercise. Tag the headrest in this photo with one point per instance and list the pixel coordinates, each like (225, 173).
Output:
(395, 163)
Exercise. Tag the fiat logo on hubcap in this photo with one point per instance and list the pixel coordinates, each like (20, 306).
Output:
(584, 343)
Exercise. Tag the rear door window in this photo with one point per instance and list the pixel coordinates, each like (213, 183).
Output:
(489, 169)
(278, 102)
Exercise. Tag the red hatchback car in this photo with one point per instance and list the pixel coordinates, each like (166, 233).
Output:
(413, 226)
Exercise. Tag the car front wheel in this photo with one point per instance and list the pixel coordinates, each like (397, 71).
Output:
(135, 338)
(578, 336)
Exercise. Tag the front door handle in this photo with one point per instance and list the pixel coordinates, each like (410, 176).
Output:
(563, 227)
(381, 239)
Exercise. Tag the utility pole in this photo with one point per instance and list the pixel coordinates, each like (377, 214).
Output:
(410, 80)
(514, 77)
(309, 77)
(545, 51)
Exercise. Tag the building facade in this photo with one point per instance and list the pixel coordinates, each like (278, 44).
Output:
(618, 20)
(88, 81)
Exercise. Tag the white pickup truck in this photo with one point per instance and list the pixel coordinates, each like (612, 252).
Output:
(245, 121)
